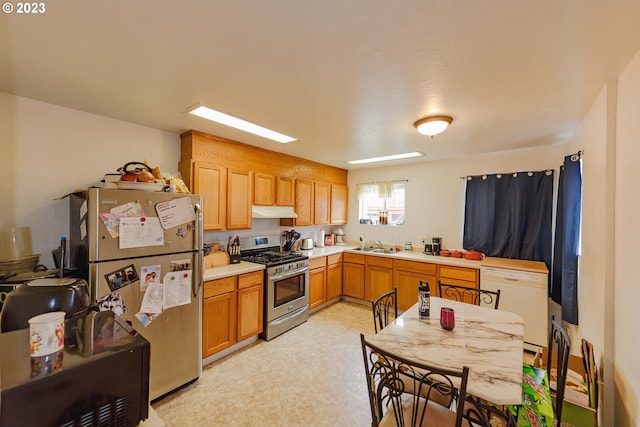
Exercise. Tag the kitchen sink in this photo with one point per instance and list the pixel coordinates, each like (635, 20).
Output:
(376, 250)
(384, 251)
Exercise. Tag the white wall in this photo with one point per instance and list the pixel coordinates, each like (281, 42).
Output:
(435, 193)
(49, 151)
(627, 235)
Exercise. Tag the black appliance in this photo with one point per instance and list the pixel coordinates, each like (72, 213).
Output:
(44, 295)
(103, 380)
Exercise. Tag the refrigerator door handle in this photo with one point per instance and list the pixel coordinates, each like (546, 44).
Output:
(197, 276)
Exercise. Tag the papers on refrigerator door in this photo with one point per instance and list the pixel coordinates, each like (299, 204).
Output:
(175, 212)
(136, 232)
(177, 289)
(152, 300)
(111, 218)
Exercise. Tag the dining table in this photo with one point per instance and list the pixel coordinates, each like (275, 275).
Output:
(489, 342)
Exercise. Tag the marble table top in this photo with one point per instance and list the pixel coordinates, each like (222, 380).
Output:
(489, 342)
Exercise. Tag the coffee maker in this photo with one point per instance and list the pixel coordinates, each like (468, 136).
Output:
(437, 245)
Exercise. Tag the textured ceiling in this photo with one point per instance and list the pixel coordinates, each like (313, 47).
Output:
(348, 78)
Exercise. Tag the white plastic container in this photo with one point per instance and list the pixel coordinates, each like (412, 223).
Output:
(46, 333)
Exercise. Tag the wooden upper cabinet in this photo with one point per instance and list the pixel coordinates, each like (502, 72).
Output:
(210, 181)
(304, 202)
(275, 179)
(238, 199)
(339, 198)
(322, 203)
(264, 189)
(285, 191)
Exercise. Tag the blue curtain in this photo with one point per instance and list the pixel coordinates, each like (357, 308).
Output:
(564, 283)
(509, 215)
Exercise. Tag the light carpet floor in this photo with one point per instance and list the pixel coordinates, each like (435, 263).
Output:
(312, 375)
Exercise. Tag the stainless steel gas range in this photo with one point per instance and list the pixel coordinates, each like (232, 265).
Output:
(286, 281)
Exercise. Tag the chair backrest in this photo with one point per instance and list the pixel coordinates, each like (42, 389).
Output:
(591, 372)
(387, 382)
(481, 413)
(469, 295)
(558, 341)
(382, 309)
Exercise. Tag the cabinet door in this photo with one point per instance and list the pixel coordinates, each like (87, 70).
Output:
(460, 276)
(304, 202)
(285, 191)
(353, 280)
(218, 323)
(407, 283)
(339, 210)
(378, 281)
(317, 286)
(250, 311)
(250, 304)
(334, 281)
(322, 202)
(238, 200)
(211, 182)
(264, 189)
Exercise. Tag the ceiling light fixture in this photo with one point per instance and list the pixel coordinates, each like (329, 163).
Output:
(385, 158)
(234, 122)
(433, 125)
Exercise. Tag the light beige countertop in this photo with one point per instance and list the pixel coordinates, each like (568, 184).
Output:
(231, 270)
(420, 256)
(516, 264)
(248, 267)
(327, 250)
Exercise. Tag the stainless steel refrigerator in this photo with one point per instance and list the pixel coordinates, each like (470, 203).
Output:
(141, 251)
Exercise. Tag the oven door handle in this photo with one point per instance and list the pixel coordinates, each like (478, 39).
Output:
(289, 273)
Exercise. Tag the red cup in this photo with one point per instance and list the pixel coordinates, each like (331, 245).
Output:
(447, 318)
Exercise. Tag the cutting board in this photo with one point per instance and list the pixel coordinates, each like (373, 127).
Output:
(216, 259)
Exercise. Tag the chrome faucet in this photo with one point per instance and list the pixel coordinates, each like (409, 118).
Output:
(377, 244)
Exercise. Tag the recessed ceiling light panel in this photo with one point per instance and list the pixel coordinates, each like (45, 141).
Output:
(385, 158)
(234, 122)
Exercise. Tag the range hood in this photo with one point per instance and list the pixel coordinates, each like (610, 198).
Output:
(273, 212)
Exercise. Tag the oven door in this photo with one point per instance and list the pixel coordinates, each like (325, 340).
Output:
(287, 292)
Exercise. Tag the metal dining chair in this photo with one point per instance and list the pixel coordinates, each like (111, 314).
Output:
(469, 295)
(560, 347)
(382, 307)
(392, 404)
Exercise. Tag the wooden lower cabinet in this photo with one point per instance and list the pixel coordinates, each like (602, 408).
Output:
(353, 275)
(378, 277)
(407, 276)
(317, 281)
(232, 311)
(334, 276)
(250, 305)
(460, 276)
(218, 315)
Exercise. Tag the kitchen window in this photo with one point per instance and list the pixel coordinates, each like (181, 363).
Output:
(381, 203)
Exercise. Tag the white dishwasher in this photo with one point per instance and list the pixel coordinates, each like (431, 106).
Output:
(523, 290)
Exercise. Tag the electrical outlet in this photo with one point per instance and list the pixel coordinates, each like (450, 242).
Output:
(424, 241)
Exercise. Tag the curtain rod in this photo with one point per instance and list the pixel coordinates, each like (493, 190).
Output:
(484, 175)
(580, 153)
